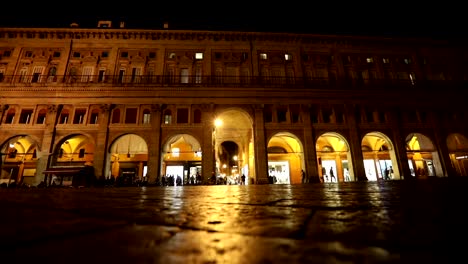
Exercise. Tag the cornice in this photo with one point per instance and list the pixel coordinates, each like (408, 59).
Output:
(214, 36)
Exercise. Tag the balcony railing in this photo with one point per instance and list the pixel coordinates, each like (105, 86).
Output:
(226, 81)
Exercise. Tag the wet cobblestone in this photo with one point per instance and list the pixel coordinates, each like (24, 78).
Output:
(388, 222)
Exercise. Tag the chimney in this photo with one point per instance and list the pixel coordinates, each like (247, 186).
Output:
(166, 25)
(74, 25)
(122, 24)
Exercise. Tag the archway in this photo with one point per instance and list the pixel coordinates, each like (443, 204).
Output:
(379, 157)
(228, 160)
(423, 158)
(334, 158)
(18, 162)
(129, 159)
(235, 125)
(458, 151)
(285, 159)
(181, 161)
(70, 156)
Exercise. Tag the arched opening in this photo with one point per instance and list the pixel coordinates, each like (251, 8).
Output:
(285, 159)
(379, 157)
(235, 126)
(129, 160)
(181, 161)
(458, 150)
(423, 158)
(334, 158)
(71, 155)
(228, 164)
(18, 161)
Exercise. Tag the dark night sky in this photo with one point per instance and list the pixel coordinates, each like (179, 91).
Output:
(372, 18)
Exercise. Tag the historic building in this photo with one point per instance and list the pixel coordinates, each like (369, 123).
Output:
(137, 104)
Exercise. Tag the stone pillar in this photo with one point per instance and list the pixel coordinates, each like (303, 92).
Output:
(355, 143)
(442, 148)
(399, 143)
(101, 154)
(208, 159)
(154, 149)
(45, 155)
(261, 155)
(310, 153)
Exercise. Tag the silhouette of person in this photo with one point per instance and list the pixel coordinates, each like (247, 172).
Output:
(332, 175)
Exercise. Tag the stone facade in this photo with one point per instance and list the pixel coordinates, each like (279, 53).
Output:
(141, 104)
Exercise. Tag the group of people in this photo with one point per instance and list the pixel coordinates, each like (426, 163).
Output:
(330, 174)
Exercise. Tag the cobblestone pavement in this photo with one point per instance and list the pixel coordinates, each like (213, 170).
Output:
(388, 222)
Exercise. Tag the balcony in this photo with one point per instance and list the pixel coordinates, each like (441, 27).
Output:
(225, 81)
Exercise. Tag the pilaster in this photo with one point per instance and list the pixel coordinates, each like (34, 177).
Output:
(154, 149)
(261, 155)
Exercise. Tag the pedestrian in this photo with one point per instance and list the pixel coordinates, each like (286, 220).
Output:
(303, 175)
(332, 175)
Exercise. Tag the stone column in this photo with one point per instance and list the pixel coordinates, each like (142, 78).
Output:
(101, 154)
(154, 149)
(399, 143)
(310, 153)
(260, 149)
(355, 144)
(208, 159)
(45, 155)
(440, 138)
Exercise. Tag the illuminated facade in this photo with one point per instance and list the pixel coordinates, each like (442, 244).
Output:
(138, 104)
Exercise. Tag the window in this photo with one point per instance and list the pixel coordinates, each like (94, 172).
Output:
(64, 117)
(87, 75)
(28, 54)
(101, 75)
(76, 55)
(385, 60)
(81, 154)
(41, 116)
(197, 116)
(124, 54)
(263, 56)
(281, 113)
(268, 114)
(199, 56)
(105, 54)
(79, 116)
(56, 54)
(167, 116)
(172, 55)
(287, 57)
(25, 116)
(131, 115)
(184, 76)
(116, 116)
(407, 60)
(121, 75)
(152, 55)
(6, 53)
(182, 116)
(146, 116)
(295, 114)
(94, 116)
(370, 60)
(37, 71)
(10, 118)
